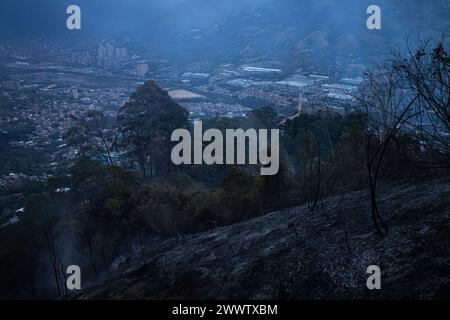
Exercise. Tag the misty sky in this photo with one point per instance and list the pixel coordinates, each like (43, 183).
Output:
(200, 29)
(47, 17)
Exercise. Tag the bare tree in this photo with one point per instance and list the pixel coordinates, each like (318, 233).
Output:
(389, 106)
(49, 226)
(426, 72)
(91, 136)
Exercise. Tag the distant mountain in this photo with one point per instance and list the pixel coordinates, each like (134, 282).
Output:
(278, 28)
(193, 30)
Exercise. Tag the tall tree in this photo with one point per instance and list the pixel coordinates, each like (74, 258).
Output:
(390, 107)
(92, 137)
(146, 123)
(427, 74)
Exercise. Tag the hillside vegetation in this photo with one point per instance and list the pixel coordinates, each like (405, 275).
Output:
(302, 254)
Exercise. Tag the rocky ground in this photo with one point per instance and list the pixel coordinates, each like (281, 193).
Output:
(303, 254)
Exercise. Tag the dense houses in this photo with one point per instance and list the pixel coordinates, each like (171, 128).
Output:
(48, 86)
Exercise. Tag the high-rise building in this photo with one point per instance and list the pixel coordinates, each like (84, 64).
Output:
(121, 53)
(304, 109)
(10, 85)
(108, 55)
(142, 69)
(75, 93)
(300, 102)
(105, 51)
(81, 57)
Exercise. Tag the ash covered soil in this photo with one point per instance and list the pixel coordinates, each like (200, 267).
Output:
(302, 254)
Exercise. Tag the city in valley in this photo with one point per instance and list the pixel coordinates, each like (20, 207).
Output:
(60, 81)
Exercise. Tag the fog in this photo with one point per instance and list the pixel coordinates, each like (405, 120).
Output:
(195, 30)
(47, 17)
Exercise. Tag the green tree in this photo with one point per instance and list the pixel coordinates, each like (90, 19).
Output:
(92, 137)
(146, 123)
(242, 194)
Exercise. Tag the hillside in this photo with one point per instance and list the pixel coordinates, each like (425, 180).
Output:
(303, 254)
(279, 29)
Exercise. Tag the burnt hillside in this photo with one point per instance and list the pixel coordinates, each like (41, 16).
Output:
(303, 254)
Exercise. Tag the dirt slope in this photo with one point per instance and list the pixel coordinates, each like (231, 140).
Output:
(303, 254)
